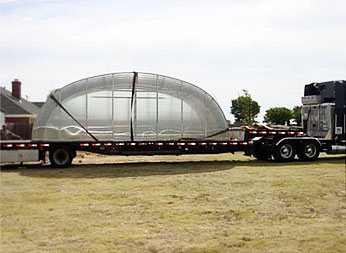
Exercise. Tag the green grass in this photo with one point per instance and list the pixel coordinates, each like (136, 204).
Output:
(219, 203)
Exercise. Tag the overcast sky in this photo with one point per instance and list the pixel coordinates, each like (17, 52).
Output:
(270, 47)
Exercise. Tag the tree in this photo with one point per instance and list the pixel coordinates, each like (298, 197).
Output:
(245, 109)
(297, 114)
(278, 115)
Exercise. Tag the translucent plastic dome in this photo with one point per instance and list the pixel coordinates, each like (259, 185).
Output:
(130, 107)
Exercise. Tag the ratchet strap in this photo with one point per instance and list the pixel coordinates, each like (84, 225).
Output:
(135, 77)
(69, 114)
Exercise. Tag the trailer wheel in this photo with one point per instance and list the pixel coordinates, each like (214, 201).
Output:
(309, 151)
(61, 157)
(284, 152)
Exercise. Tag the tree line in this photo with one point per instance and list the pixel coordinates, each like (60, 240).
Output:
(245, 111)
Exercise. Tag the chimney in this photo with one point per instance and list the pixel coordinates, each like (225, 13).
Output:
(16, 89)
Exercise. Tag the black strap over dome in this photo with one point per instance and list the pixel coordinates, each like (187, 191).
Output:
(69, 114)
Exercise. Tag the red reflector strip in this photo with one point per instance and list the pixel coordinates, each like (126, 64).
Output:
(300, 133)
(44, 145)
(31, 145)
(8, 145)
(119, 144)
(281, 132)
(191, 143)
(170, 143)
(233, 143)
(84, 144)
(253, 132)
(159, 143)
(243, 143)
(272, 132)
(20, 145)
(262, 132)
(212, 143)
(181, 143)
(223, 143)
(107, 144)
(202, 143)
(95, 144)
(290, 132)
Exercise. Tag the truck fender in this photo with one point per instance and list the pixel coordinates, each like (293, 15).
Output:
(295, 139)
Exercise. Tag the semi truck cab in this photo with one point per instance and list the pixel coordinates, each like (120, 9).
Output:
(323, 110)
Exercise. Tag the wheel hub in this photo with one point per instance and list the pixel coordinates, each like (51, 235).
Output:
(310, 150)
(60, 156)
(286, 151)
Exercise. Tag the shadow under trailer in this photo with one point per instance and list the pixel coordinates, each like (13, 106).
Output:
(148, 114)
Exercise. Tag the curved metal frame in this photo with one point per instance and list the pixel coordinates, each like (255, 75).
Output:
(195, 104)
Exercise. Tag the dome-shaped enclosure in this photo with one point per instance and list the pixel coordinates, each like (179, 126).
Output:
(130, 107)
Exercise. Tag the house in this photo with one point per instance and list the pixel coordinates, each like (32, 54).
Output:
(14, 108)
(2, 117)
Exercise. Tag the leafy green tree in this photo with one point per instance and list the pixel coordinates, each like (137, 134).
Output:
(245, 109)
(297, 114)
(278, 115)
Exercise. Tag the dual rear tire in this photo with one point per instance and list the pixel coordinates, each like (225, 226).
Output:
(285, 151)
(308, 151)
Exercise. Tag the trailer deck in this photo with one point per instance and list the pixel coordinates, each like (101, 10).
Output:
(179, 147)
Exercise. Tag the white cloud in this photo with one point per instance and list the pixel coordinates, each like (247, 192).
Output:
(269, 47)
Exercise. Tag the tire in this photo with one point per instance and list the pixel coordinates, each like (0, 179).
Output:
(309, 151)
(61, 157)
(284, 152)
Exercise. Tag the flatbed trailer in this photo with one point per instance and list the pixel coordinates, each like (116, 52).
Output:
(61, 153)
(205, 131)
(264, 144)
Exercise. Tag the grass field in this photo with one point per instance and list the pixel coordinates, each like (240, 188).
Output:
(215, 203)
